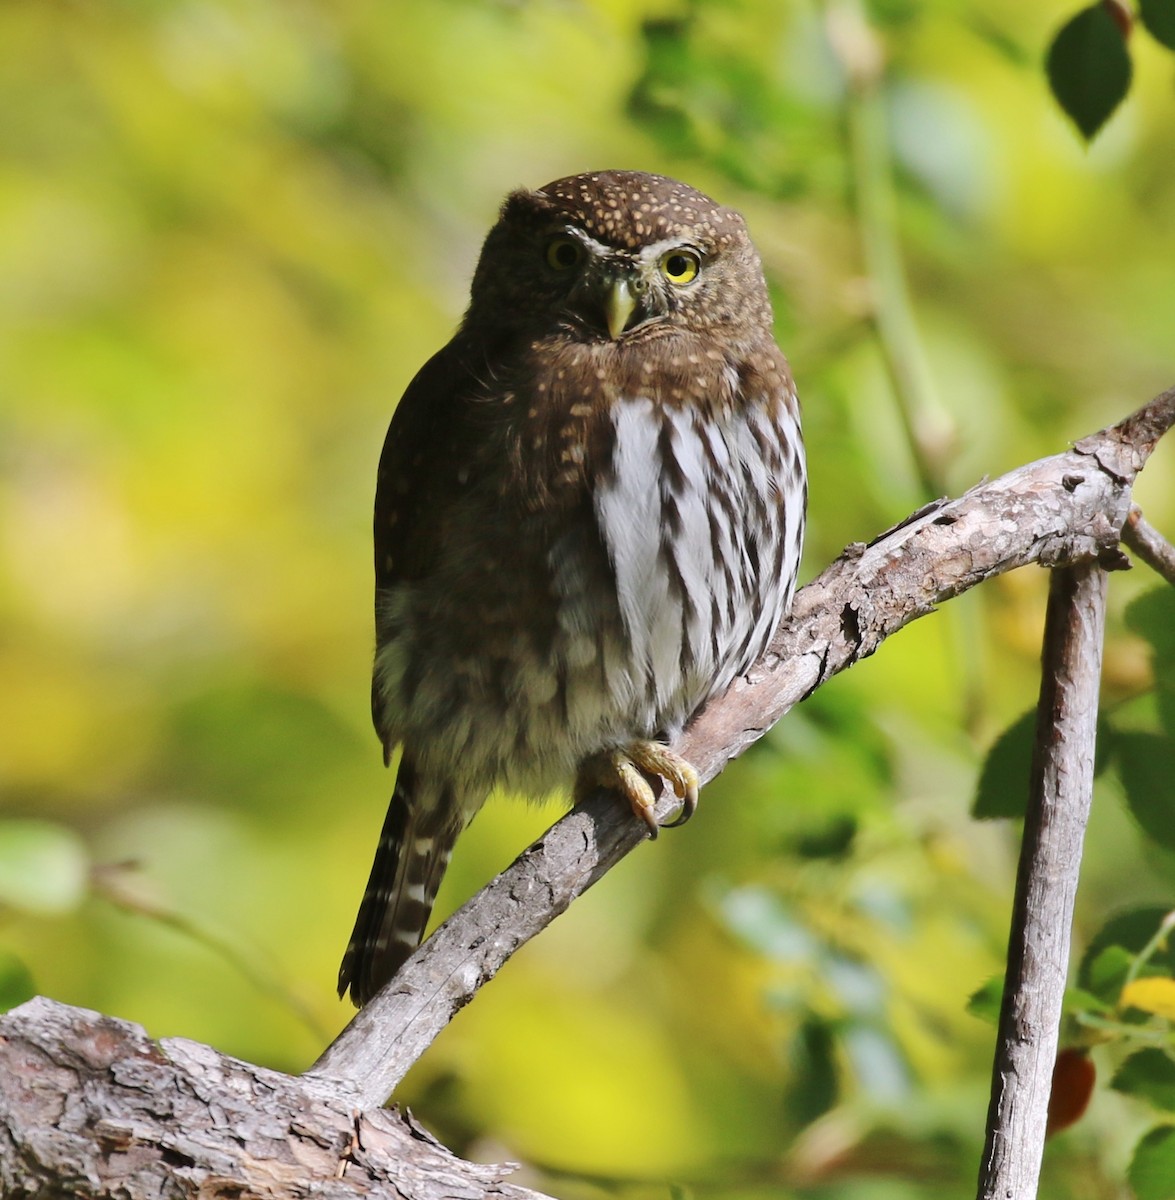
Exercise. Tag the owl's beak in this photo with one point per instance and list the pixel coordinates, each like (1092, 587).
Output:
(619, 305)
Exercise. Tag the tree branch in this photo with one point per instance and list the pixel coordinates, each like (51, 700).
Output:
(1149, 544)
(1046, 884)
(1068, 508)
(90, 1107)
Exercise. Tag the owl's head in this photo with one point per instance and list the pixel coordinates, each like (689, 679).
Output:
(616, 255)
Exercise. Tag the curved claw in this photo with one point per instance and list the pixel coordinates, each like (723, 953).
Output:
(689, 806)
(623, 770)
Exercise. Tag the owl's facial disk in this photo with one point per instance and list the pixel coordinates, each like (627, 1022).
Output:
(617, 292)
(607, 296)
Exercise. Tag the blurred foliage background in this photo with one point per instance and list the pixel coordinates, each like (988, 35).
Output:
(231, 230)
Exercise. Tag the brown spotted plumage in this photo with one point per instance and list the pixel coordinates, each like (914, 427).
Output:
(588, 520)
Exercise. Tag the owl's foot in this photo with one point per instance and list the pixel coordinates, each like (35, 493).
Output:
(624, 771)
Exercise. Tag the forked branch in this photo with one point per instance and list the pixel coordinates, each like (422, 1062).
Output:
(1150, 545)
(1069, 508)
(90, 1106)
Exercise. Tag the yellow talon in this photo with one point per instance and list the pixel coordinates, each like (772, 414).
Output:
(624, 770)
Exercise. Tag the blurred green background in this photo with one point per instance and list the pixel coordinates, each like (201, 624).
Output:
(230, 232)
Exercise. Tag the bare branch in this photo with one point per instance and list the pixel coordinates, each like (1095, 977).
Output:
(90, 1106)
(1064, 509)
(1149, 544)
(1046, 885)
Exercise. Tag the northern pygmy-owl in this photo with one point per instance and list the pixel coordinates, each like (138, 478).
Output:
(588, 521)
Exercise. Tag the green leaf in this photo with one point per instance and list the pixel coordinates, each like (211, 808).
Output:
(1115, 946)
(1159, 18)
(1108, 971)
(1146, 763)
(1079, 1001)
(813, 1084)
(1152, 1169)
(833, 840)
(1150, 1075)
(986, 1000)
(43, 867)
(1089, 68)
(1003, 782)
(16, 983)
(1152, 616)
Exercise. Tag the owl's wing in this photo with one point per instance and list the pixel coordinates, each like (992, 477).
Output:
(417, 473)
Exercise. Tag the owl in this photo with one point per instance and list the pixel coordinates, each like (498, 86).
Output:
(588, 521)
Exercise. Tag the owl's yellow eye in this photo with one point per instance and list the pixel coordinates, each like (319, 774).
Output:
(563, 253)
(680, 266)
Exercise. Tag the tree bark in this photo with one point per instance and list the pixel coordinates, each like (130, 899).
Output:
(1149, 544)
(1046, 885)
(91, 1107)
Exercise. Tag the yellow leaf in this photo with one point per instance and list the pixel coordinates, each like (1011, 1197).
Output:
(1151, 995)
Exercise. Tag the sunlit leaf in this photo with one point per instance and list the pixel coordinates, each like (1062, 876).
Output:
(1152, 1168)
(1079, 1000)
(1107, 971)
(986, 1000)
(1112, 951)
(1150, 1075)
(1152, 995)
(1089, 68)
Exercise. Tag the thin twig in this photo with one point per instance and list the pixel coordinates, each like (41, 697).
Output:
(1064, 509)
(116, 883)
(890, 305)
(1149, 544)
(1046, 885)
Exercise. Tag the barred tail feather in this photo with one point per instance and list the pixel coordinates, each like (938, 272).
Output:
(418, 834)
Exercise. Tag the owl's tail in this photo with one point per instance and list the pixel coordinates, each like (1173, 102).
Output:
(418, 834)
